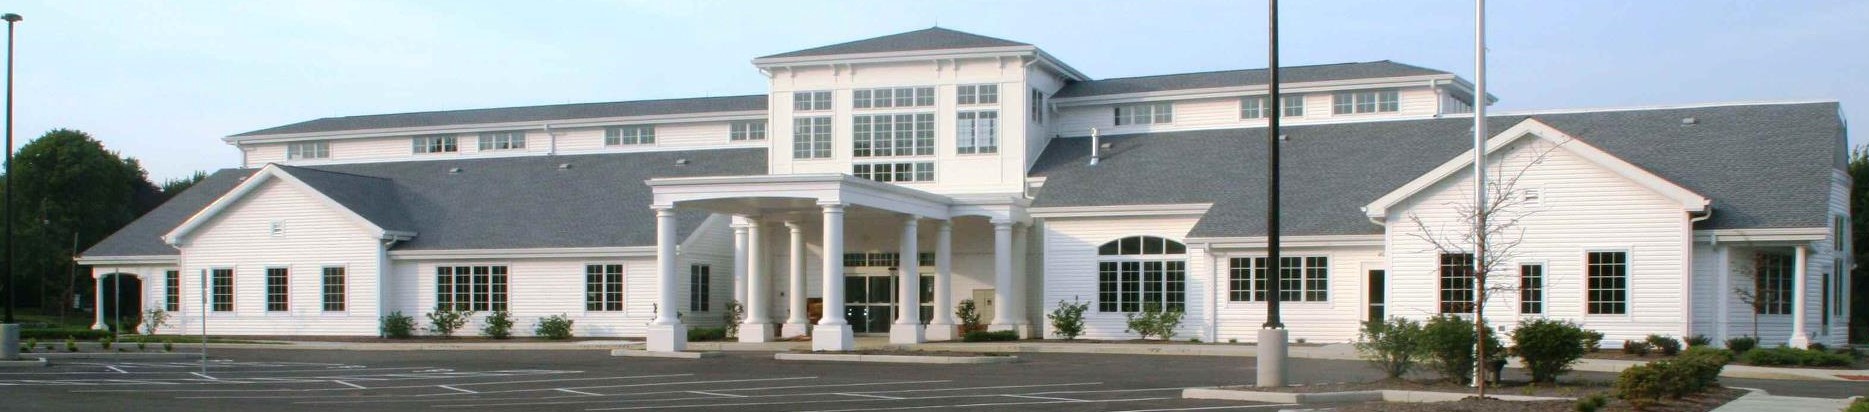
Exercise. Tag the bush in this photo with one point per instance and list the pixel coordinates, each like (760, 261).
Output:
(1549, 347)
(1392, 346)
(61, 333)
(499, 325)
(969, 315)
(1742, 344)
(1698, 340)
(1153, 321)
(1708, 361)
(105, 342)
(1636, 347)
(1592, 403)
(154, 318)
(1818, 347)
(71, 344)
(396, 325)
(736, 313)
(994, 336)
(1859, 405)
(554, 327)
(1068, 319)
(1667, 345)
(1593, 340)
(447, 320)
(142, 343)
(706, 334)
(168, 345)
(1447, 342)
(1787, 356)
(1640, 385)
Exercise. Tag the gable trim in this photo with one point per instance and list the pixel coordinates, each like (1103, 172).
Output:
(1172, 209)
(178, 236)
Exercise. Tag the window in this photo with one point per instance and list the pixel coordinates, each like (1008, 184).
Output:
(603, 288)
(1774, 284)
(222, 287)
(882, 135)
(893, 97)
(276, 290)
(502, 141)
(1301, 279)
(811, 138)
(977, 94)
(1140, 273)
(1841, 295)
(470, 288)
(1608, 283)
(1531, 289)
(1254, 107)
(1457, 281)
(748, 130)
(1038, 106)
(172, 291)
(435, 144)
(698, 287)
(308, 150)
(811, 101)
(895, 172)
(1294, 105)
(1366, 102)
(1156, 113)
(884, 259)
(624, 135)
(334, 289)
(977, 132)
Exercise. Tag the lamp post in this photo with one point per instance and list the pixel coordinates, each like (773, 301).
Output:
(9, 331)
(1272, 336)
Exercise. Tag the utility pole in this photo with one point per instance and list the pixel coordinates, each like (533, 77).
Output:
(1272, 336)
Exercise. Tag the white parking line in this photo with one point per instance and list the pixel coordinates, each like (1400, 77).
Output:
(721, 405)
(865, 395)
(872, 395)
(1209, 408)
(306, 379)
(354, 398)
(765, 388)
(454, 389)
(1048, 398)
(202, 375)
(353, 385)
(723, 395)
(115, 369)
(576, 392)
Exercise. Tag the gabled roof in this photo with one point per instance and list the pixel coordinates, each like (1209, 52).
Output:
(1248, 77)
(143, 236)
(372, 198)
(1761, 165)
(350, 187)
(933, 38)
(521, 114)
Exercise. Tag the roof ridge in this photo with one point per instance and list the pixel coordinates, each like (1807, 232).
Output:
(1262, 68)
(290, 168)
(545, 105)
(1603, 109)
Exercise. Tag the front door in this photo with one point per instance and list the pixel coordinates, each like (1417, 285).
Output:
(869, 302)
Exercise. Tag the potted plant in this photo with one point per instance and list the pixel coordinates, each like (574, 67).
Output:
(969, 317)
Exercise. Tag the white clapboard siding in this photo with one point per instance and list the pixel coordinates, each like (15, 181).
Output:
(673, 136)
(1335, 320)
(1070, 259)
(1216, 113)
(538, 288)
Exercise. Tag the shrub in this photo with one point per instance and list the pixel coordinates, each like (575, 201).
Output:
(555, 327)
(1068, 319)
(1153, 321)
(1549, 347)
(1393, 346)
(61, 333)
(736, 313)
(499, 325)
(1698, 340)
(1448, 346)
(969, 315)
(1593, 340)
(1861, 404)
(1636, 347)
(71, 344)
(396, 325)
(1667, 345)
(154, 318)
(105, 342)
(168, 345)
(31, 343)
(993, 336)
(1742, 344)
(447, 320)
(706, 334)
(1640, 385)
(1787, 356)
(1708, 362)
(1592, 403)
(142, 343)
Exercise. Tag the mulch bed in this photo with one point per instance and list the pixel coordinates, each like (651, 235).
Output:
(1565, 389)
(1157, 342)
(417, 339)
(1705, 401)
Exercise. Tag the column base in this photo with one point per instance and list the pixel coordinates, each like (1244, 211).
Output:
(9, 341)
(99, 326)
(1026, 331)
(996, 326)
(909, 334)
(1800, 341)
(757, 332)
(832, 338)
(792, 330)
(940, 332)
(668, 338)
(1273, 352)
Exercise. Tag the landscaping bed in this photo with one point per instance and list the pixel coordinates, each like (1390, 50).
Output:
(1571, 389)
(905, 352)
(1705, 401)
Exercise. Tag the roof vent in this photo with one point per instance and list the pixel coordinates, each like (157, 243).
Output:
(683, 162)
(454, 170)
(564, 166)
(1283, 137)
(1689, 121)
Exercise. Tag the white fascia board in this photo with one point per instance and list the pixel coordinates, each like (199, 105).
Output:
(128, 260)
(270, 171)
(504, 126)
(1259, 242)
(1172, 209)
(825, 188)
(1252, 124)
(1059, 66)
(1236, 91)
(1793, 234)
(527, 253)
(895, 56)
(1690, 201)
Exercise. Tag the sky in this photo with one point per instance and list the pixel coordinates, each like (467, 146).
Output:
(164, 81)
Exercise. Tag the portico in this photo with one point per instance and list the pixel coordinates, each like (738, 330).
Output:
(840, 206)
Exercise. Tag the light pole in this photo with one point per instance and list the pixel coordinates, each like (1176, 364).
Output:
(1272, 336)
(9, 332)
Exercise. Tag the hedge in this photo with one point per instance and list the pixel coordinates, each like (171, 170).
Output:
(59, 334)
(994, 336)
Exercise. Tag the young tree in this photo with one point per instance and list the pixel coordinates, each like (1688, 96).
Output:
(1755, 292)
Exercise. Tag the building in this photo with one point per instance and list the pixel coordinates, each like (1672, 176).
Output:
(1016, 181)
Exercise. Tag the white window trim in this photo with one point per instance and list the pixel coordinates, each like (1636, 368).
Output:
(934, 170)
(491, 141)
(266, 293)
(427, 141)
(623, 302)
(296, 151)
(830, 100)
(1583, 280)
(646, 138)
(345, 296)
(1330, 279)
(1544, 286)
(998, 124)
(997, 96)
(434, 300)
(830, 137)
(934, 129)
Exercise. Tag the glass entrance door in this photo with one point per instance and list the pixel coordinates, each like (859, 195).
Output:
(869, 302)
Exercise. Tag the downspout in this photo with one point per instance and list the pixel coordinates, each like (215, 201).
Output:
(1439, 99)
(551, 147)
(1213, 293)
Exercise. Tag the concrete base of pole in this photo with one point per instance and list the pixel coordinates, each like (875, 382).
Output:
(9, 341)
(1273, 352)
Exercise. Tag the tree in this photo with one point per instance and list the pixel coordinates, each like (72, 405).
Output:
(68, 186)
(1488, 230)
(176, 186)
(1754, 292)
(1859, 239)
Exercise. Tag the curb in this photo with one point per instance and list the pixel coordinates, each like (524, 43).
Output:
(639, 353)
(938, 360)
(120, 355)
(1385, 395)
(24, 362)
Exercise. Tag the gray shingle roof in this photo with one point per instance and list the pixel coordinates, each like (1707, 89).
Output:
(493, 203)
(522, 114)
(1228, 78)
(934, 38)
(1763, 166)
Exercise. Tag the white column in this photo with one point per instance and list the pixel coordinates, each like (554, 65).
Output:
(1020, 282)
(739, 259)
(797, 322)
(1801, 287)
(1722, 316)
(757, 327)
(666, 333)
(1002, 277)
(942, 326)
(833, 333)
(908, 326)
(99, 282)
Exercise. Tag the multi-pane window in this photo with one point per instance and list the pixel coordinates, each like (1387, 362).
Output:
(308, 150)
(1153, 113)
(977, 94)
(172, 291)
(699, 284)
(1774, 283)
(1294, 105)
(1141, 273)
(435, 144)
(1366, 102)
(1301, 279)
(603, 288)
(747, 130)
(221, 287)
(895, 172)
(907, 134)
(811, 101)
(1037, 106)
(334, 289)
(977, 132)
(1531, 289)
(1255, 107)
(277, 290)
(811, 138)
(1457, 282)
(1607, 283)
(883, 259)
(502, 140)
(470, 288)
(893, 97)
(623, 135)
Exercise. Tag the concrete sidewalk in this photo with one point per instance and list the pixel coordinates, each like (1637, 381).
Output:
(1760, 401)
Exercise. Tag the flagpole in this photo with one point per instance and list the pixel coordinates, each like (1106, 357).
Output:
(1479, 180)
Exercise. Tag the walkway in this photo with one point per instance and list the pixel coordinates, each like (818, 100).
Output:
(1759, 401)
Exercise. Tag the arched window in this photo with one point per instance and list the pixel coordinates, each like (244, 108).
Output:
(1140, 273)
